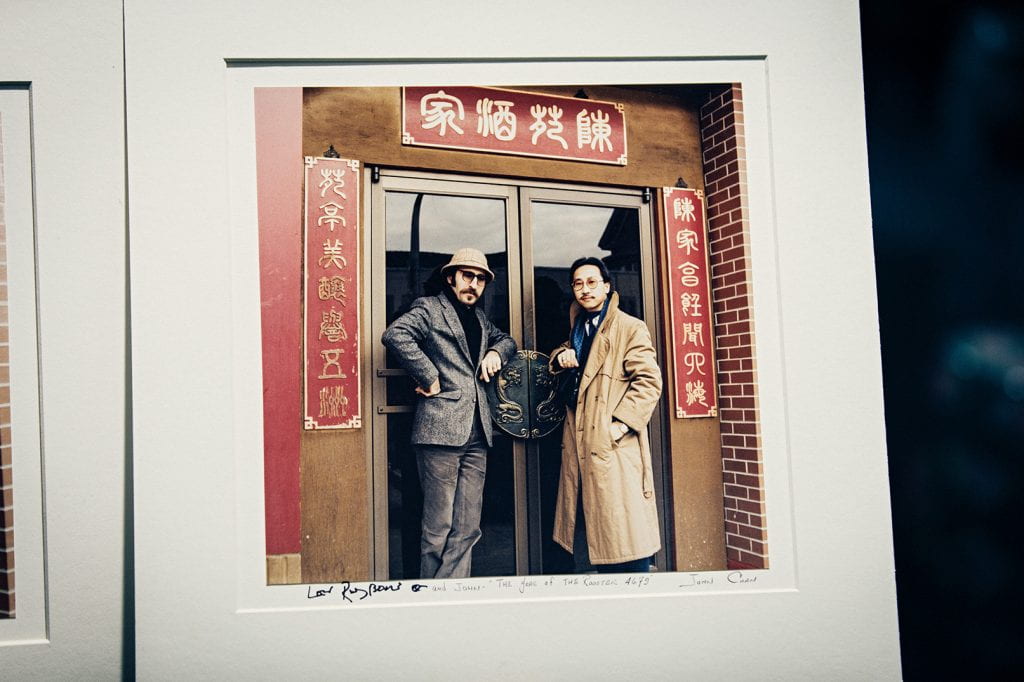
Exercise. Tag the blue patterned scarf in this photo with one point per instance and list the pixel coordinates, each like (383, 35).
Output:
(581, 344)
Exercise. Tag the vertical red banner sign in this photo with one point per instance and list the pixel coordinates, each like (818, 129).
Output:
(689, 299)
(331, 297)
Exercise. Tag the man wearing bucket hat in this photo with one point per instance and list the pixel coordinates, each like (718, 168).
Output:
(448, 347)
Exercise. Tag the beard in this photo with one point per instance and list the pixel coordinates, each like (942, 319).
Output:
(456, 294)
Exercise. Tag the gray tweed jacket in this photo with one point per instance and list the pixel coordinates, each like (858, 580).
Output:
(429, 343)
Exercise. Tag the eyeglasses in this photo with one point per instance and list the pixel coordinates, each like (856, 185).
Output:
(470, 277)
(591, 283)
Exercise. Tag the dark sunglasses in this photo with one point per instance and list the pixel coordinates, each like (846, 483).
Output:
(471, 277)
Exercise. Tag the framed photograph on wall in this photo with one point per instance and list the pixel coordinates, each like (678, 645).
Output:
(63, 321)
(22, 594)
(302, 522)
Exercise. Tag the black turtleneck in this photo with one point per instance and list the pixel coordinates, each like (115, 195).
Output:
(470, 323)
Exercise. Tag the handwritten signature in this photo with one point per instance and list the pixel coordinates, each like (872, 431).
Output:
(738, 577)
(350, 592)
(310, 594)
(693, 579)
(353, 593)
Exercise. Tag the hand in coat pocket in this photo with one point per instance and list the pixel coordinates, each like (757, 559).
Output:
(434, 389)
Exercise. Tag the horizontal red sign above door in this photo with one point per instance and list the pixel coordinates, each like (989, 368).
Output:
(498, 121)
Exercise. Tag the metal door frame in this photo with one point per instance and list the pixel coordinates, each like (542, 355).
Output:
(612, 198)
(517, 195)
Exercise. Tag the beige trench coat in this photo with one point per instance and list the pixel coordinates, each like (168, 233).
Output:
(620, 381)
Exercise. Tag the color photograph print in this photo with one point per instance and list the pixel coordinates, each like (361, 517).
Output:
(363, 194)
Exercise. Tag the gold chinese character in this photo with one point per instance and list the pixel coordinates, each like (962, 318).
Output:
(692, 333)
(331, 216)
(686, 239)
(684, 208)
(694, 362)
(333, 288)
(332, 255)
(689, 274)
(690, 304)
(333, 179)
(333, 401)
(332, 364)
(696, 393)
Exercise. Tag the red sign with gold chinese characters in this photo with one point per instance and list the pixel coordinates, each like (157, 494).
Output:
(331, 298)
(513, 122)
(689, 298)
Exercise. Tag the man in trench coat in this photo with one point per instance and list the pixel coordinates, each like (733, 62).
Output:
(605, 513)
(448, 347)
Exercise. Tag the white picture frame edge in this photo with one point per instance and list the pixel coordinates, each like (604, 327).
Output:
(70, 63)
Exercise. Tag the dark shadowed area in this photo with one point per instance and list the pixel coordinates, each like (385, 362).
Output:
(945, 109)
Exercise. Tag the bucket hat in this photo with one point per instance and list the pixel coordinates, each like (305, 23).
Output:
(468, 258)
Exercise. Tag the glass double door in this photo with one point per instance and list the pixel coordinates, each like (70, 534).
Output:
(530, 233)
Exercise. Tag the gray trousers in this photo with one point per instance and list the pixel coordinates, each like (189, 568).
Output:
(452, 479)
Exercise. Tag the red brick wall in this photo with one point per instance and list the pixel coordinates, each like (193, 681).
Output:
(6, 501)
(725, 183)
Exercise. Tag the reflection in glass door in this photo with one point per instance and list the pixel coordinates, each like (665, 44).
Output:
(530, 235)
